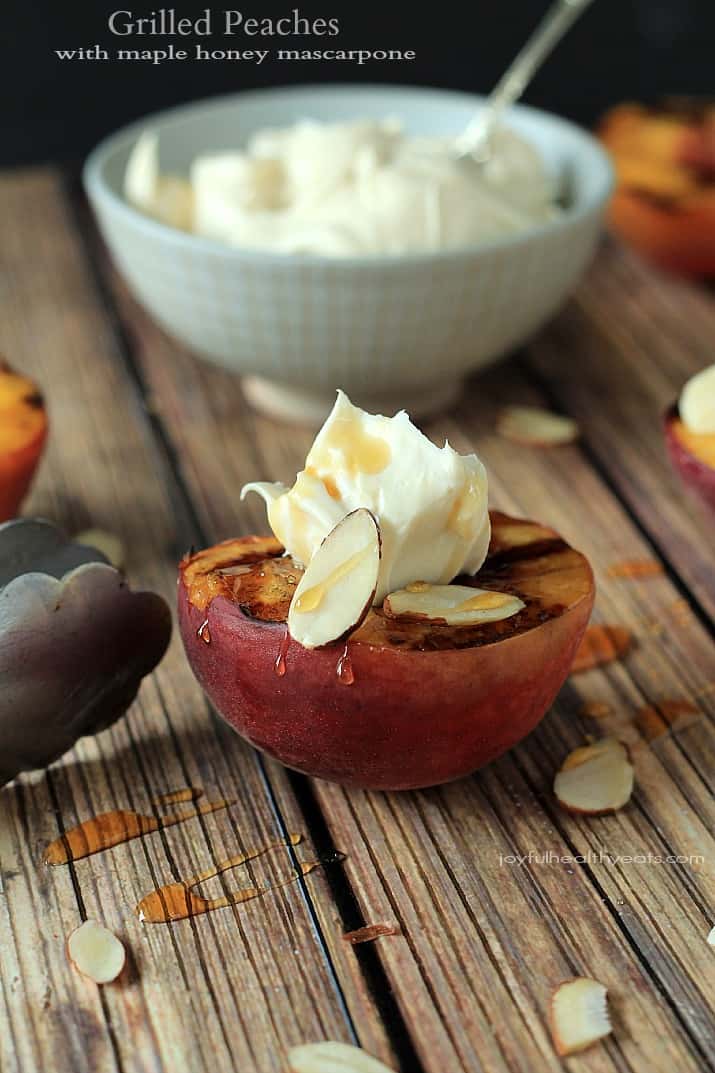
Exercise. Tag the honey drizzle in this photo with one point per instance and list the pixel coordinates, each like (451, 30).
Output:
(344, 668)
(113, 828)
(176, 901)
(176, 797)
(485, 601)
(312, 598)
(203, 632)
(362, 453)
(280, 664)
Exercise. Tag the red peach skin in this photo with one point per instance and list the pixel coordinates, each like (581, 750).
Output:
(694, 472)
(410, 719)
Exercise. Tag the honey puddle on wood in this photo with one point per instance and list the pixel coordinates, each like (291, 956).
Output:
(177, 797)
(176, 901)
(112, 828)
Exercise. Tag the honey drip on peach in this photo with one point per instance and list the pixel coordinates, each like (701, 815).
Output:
(312, 598)
(280, 664)
(344, 669)
(113, 828)
(177, 901)
(203, 632)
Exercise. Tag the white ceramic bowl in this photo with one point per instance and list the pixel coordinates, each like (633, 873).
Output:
(392, 331)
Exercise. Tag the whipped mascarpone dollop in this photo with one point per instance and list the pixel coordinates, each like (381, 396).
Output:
(430, 502)
(361, 188)
(697, 402)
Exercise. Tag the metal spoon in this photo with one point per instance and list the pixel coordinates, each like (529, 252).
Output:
(475, 140)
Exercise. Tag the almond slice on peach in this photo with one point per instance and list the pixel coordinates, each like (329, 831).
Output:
(450, 605)
(338, 587)
(595, 778)
(578, 1015)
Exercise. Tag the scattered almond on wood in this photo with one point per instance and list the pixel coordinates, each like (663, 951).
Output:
(578, 1015)
(330, 1057)
(533, 427)
(594, 779)
(370, 932)
(655, 720)
(635, 569)
(96, 952)
(600, 645)
(596, 709)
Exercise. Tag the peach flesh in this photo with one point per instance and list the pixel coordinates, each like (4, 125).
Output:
(696, 472)
(411, 717)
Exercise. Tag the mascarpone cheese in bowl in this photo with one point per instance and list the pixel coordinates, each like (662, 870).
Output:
(395, 328)
(361, 188)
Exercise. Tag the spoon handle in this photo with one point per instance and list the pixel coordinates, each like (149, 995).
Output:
(557, 20)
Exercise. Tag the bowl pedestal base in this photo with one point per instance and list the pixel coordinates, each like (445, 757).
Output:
(290, 403)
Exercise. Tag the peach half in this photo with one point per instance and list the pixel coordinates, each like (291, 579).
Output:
(664, 201)
(402, 704)
(23, 430)
(692, 455)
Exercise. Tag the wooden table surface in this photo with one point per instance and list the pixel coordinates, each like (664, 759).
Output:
(154, 446)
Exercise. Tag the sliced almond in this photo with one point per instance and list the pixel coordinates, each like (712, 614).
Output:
(108, 543)
(337, 589)
(579, 1015)
(635, 569)
(370, 932)
(329, 1057)
(601, 645)
(96, 952)
(595, 778)
(534, 427)
(450, 605)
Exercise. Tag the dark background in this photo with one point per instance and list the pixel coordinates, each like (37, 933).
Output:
(621, 49)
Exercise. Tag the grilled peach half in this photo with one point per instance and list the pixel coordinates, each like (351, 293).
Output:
(23, 430)
(402, 704)
(692, 455)
(664, 201)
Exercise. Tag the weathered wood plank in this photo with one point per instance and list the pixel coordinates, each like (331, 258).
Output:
(234, 989)
(484, 943)
(628, 341)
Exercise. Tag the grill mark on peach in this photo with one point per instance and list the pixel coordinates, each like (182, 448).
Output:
(546, 573)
